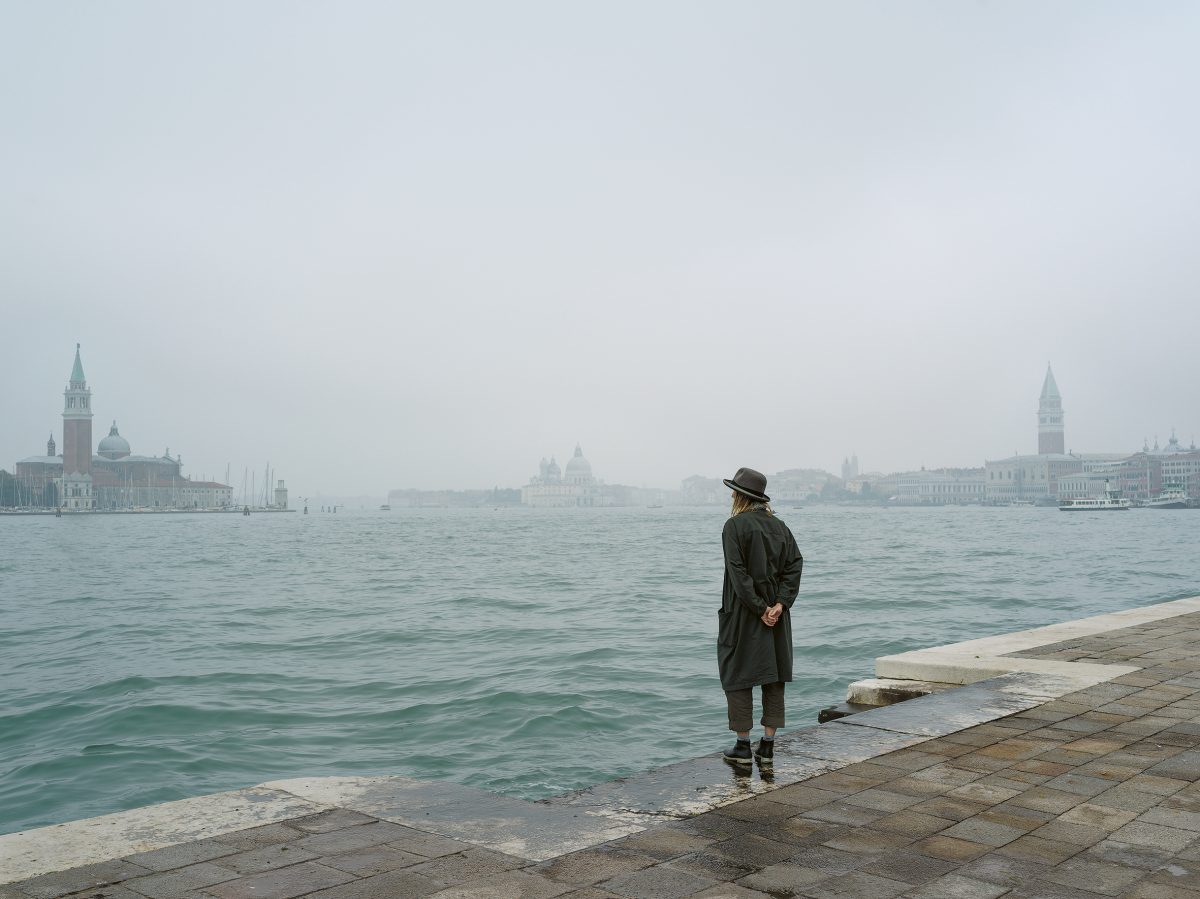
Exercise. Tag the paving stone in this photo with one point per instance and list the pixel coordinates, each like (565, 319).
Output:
(872, 770)
(590, 866)
(947, 775)
(1079, 784)
(909, 867)
(349, 838)
(950, 849)
(1148, 858)
(181, 855)
(757, 809)
(1061, 831)
(1047, 799)
(334, 819)
(47, 886)
(984, 793)
(914, 786)
(1042, 889)
(804, 796)
(112, 891)
(801, 831)
(858, 885)
(372, 860)
(952, 809)
(882, 800)
(844, 813)
(753, 849)
(506, 885)
(1140, 833)
(266, 858)
(784, 879)
(1157, 784)
(1172, 817)
(1102, 877)
(429, 845)
(388, 885)
(1105, 818)
(265, 835)
(1002, 870)
(1185, 766)
(1024, 819)
(1123, 797)
(908, 760)
(838, 782)
(282, 883)
(866, 841)
(828, 859)
(182, 882)
(978, 830)
(658, 882)
(956, 886)
(707, 864)
(912, 823)
(665, 843)
(1039, 851)
(1151, 890)
(470, 865)
(727, 891)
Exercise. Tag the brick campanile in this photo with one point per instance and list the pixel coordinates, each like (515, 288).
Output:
(76, 490)
(1051, 438)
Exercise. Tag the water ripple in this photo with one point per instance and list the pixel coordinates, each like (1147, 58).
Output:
(149, 658)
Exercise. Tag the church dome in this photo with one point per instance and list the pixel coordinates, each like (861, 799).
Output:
(579, 469)
(114, 446)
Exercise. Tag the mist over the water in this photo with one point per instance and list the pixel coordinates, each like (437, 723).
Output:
(423, 245)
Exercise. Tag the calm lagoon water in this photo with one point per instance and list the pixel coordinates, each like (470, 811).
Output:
(144, 659)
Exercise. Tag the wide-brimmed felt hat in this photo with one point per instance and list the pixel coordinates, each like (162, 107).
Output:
(750, 483)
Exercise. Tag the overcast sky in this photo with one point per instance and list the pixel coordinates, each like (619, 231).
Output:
(425, 244)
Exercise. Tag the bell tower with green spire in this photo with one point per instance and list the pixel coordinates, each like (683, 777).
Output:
(76, 487)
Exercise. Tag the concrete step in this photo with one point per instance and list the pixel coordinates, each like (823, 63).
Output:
(844, 710)
(877, 691)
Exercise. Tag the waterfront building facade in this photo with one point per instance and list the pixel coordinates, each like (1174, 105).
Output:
(941, 487)
(112, 477)
(1027, 478)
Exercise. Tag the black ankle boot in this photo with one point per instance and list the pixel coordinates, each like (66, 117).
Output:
(740, 753)
(764, 751)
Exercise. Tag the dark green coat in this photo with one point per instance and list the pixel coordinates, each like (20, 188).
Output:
(762, 567)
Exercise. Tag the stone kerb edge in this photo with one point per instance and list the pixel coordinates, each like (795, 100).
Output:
(974, 660)
(62, 846)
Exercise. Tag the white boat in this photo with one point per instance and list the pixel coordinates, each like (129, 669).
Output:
(1110, 502)
(1170, 498)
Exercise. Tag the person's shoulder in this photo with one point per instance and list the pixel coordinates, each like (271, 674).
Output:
(779, 525)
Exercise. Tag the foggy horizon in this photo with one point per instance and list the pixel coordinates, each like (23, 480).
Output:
(391, 246)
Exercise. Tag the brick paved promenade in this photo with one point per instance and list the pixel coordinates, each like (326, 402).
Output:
(1096, 793)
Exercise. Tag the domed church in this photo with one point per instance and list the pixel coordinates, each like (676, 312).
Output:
(553, 487)
(113, 477)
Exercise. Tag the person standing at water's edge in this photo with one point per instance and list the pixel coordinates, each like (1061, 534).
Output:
(754, 631)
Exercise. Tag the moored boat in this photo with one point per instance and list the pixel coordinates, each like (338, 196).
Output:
(1169, 499)
(1110, 502)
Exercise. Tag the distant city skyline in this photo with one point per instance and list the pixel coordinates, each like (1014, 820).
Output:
(378, 244)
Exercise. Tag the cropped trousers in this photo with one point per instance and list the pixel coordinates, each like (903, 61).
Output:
(741, 707)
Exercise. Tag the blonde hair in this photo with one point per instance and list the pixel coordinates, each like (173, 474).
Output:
(743, 503)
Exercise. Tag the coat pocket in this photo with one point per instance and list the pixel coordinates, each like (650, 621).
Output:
(727, 628)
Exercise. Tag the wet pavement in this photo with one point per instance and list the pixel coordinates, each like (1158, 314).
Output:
(984, 791)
